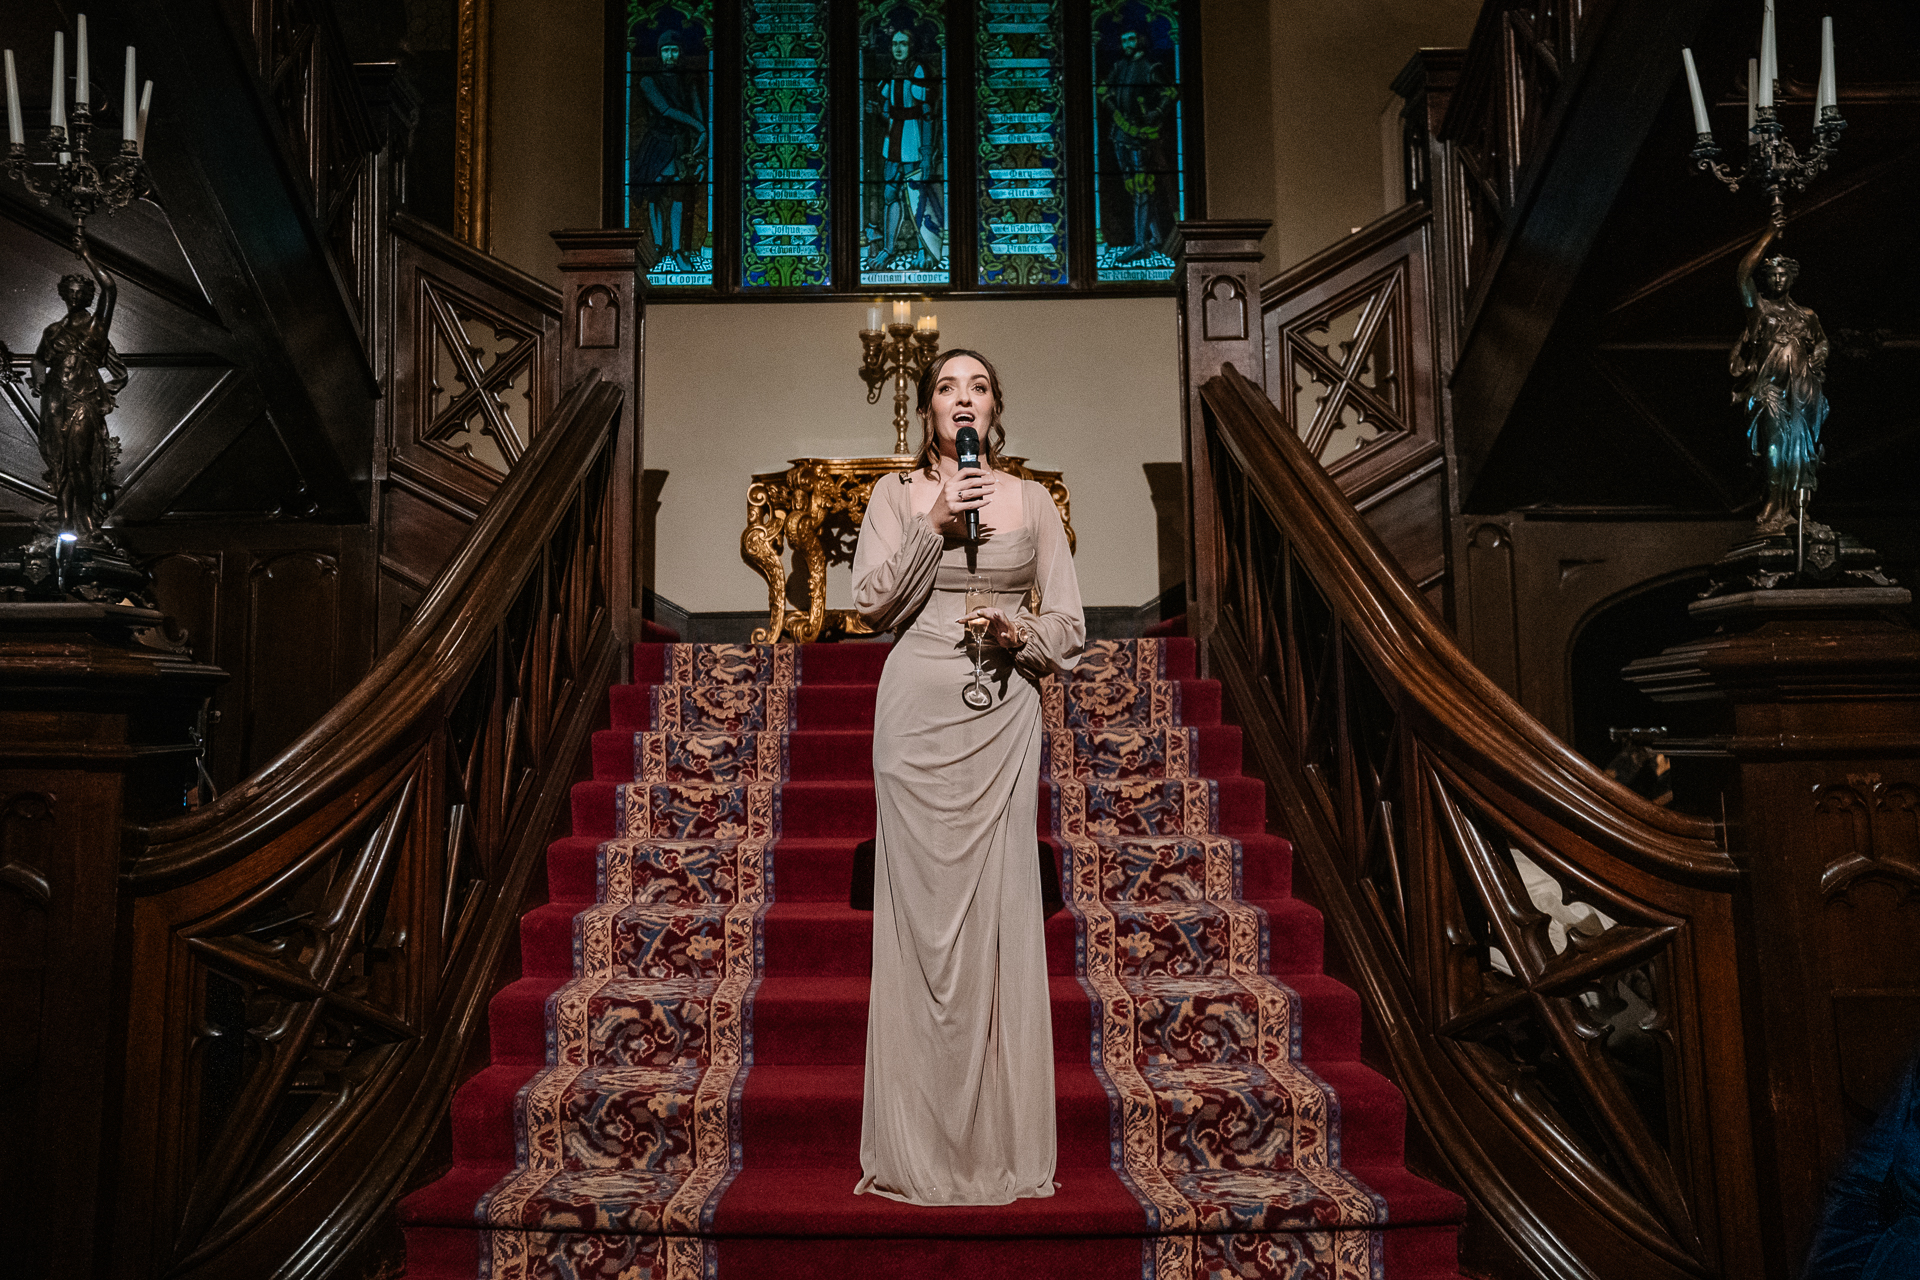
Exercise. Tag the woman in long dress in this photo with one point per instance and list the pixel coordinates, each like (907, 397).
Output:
(959, 1087)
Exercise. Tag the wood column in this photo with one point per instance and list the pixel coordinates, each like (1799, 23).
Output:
(1219, 325)
(1821, 700)
(95, 730)
(603, 327)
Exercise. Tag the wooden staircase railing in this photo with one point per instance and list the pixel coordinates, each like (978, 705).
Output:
(1550, 960)
(310, 956)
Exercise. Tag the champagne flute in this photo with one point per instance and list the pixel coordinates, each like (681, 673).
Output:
(978, 597)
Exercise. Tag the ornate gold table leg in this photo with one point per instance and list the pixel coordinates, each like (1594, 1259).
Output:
(760, 547)
(803, 532)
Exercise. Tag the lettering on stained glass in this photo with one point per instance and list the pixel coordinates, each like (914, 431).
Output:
(784, 152)
(1021, 109)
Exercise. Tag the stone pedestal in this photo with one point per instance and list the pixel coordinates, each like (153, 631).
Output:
(1819, 704)
(96, 729)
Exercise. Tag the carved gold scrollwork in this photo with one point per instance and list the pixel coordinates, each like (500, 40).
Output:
(1884, 818)
(816, 505)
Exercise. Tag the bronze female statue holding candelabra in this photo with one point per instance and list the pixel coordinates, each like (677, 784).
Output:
(1778, 366)
(72, 554)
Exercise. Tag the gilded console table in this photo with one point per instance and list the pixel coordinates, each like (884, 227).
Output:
(817, 504)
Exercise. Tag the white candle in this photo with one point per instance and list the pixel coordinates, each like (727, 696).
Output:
(16, 126)
(140, 125)
(1828, 95)
(933, 324)
(80, 68)
(1753, 89)
(873, 316)
(1693, 87)
(60, 80)
(903, 313)
(127, 125)
(1769, 59)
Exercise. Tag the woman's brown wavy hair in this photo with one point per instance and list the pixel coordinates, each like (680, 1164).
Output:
(992, 440)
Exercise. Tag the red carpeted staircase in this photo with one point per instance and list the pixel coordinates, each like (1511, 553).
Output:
(676, 1079)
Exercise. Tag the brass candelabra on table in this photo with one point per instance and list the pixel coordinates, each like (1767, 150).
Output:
(900, 351)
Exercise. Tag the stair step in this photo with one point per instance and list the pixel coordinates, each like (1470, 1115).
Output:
(846, 807)
(795, 1116)
(820, 868)
(847, 754)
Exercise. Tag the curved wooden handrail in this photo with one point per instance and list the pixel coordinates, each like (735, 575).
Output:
(313, 953)
(1406, 638)
(439, 643)
(1549, 959)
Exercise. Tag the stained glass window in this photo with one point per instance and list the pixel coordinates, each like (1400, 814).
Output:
(1139, 141)
(903, 146)
(784, 233)
(669, 191)
(903, 135)
(1020, 99)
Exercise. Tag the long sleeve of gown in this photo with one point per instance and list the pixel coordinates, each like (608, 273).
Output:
(895, 560)
(1059, 630)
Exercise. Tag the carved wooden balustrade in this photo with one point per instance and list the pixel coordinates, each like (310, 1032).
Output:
(312, 953)
(1549, 959)
(1521, 53)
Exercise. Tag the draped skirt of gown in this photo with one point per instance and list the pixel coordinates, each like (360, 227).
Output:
(959, 1086)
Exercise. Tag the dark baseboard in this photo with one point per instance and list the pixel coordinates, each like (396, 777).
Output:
(1104, 622)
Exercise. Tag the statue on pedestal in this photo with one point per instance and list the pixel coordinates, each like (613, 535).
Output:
(75, 400)
(1778, 367)
(72, 554)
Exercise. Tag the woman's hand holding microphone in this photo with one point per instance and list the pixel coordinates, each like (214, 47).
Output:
(967, 490)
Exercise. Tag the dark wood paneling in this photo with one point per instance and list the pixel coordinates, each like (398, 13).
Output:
(418, 534)
(290, 600)
(259, 601)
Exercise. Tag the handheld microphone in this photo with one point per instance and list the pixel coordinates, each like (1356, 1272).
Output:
(966, 447)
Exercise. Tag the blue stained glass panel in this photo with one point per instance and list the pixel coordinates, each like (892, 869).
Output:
(784, 233)
(1139, 174)
(669, 174)
(903, 154)
(1021, 101)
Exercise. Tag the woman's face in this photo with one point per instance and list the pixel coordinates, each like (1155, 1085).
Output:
(962, 397)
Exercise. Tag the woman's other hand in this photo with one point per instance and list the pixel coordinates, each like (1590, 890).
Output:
(960, 493)
(1001, 629)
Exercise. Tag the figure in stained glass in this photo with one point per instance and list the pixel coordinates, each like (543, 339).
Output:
(1138, 103)
(670, 150)
(904, 110)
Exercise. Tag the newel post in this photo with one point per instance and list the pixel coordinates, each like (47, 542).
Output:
(1219, 279)
(603, 328)
(1818, 708)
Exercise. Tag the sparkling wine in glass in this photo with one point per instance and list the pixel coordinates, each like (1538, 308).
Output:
(978, 598)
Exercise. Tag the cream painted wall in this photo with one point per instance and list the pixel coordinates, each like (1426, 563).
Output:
(1296, 95)
(1091, 387)
(1332, 69)
(544, 148)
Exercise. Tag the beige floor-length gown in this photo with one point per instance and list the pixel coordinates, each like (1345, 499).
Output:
(959, 1089)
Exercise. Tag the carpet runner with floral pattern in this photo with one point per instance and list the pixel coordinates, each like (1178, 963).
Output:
(676, 1076)
(1230, 1143)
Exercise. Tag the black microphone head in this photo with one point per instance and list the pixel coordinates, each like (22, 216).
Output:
(966, 447)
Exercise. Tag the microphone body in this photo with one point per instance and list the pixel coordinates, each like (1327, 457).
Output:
(966, 448)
